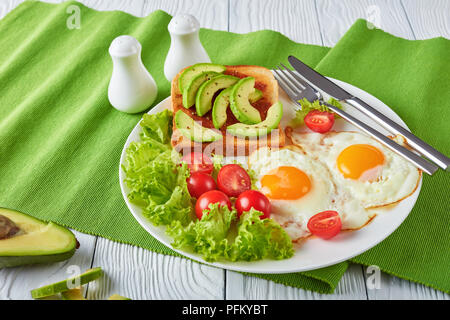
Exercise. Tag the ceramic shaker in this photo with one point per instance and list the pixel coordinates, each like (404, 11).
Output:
(185, 46)
(131, 89)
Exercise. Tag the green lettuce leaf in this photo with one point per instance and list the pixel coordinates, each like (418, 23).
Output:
(308, 106)
(207, 236)
(156, 180)
(258, 239)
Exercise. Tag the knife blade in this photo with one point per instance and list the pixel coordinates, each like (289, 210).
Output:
(337, 92)
(319, 80)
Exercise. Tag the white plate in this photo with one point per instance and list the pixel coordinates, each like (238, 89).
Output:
(313, 253)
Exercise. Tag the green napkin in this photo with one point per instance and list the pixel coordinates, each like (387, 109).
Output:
(60, 140)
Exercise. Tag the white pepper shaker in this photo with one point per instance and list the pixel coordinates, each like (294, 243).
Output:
(185, 46)
(131, 89)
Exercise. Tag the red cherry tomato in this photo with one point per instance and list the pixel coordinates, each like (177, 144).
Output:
(214, 196)
(199, 183)
(319, 121)
(232, 179)
(198, 162)
(253, 199)
(325, 224)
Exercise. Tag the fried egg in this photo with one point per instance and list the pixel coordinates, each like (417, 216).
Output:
(372, 173)
(299, 187)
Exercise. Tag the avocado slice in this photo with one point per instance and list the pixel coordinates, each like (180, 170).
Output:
(191, 89)
(27, 240)
(117, 297)
(205, 94)
(239, 102)
(73, 294)
(63, 286)
(194, 131)
(220, 106)
(272, 120)
(191, 72)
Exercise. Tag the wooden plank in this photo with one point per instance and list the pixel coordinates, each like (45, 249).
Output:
(7, 5)
(16, 283)
(141, 274)
(337, 16)
(211, 14)
(429, 18)
(239, 286)
(295, 19)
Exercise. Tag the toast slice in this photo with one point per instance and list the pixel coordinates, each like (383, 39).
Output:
(231, 145)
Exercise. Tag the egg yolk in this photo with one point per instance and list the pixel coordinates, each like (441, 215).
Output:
(360, 161)
(286, 183)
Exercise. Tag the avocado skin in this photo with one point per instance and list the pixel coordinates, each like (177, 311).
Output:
(274, 115)
(240, 104)
(186, 125)
(10, 261)
(189, 73)
(203, 100)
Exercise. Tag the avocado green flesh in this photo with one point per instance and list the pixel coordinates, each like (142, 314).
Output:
(255, 96)
(191, 89)
(239, 102)
(35, 242)
(272, 121)
(73, 294)
(193, 131)
(190, 73)
(117, 297)
(220, 106)
(62, 286)
(205, 94)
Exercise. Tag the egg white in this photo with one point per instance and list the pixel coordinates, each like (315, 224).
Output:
(396, 180)
(293, 215)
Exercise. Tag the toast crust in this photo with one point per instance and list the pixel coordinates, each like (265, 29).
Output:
(231, 145)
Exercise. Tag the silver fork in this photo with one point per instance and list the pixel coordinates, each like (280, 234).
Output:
(297, 89)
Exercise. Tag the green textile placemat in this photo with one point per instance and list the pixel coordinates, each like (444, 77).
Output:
(60, 140)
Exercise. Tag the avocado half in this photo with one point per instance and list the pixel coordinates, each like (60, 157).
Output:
(27, 240)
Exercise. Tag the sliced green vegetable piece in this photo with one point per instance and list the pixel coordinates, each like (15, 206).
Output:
(64, 285)
(206, 92)
(239, 102)
(272, 120)
(191, 89)
(73, 294)
(117, 297)
(194, 131)
(190, 73)
(220, 106)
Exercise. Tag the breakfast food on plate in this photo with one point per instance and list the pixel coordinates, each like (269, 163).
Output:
(183, 173)
(298, 187)
(373, 174)
(228, 110)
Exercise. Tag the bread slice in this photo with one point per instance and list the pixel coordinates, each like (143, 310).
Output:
(231, 145)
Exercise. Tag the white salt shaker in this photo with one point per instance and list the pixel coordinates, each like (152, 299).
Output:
(185, 46)
(131, 88)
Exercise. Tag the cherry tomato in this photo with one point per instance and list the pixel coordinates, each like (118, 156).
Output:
(232, 179)
(325, 224)
(198, 162)
(253, 199)
(319, 121)
(213, 196)
(199, 183)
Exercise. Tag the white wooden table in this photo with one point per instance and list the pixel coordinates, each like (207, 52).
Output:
(141, 274)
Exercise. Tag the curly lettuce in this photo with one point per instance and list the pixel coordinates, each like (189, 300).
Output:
(207, 236)
(258, 239)
(156, 180)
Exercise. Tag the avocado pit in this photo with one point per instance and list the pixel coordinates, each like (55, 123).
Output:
(7, 228)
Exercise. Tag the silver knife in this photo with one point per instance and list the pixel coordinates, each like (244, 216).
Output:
(337, 92)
